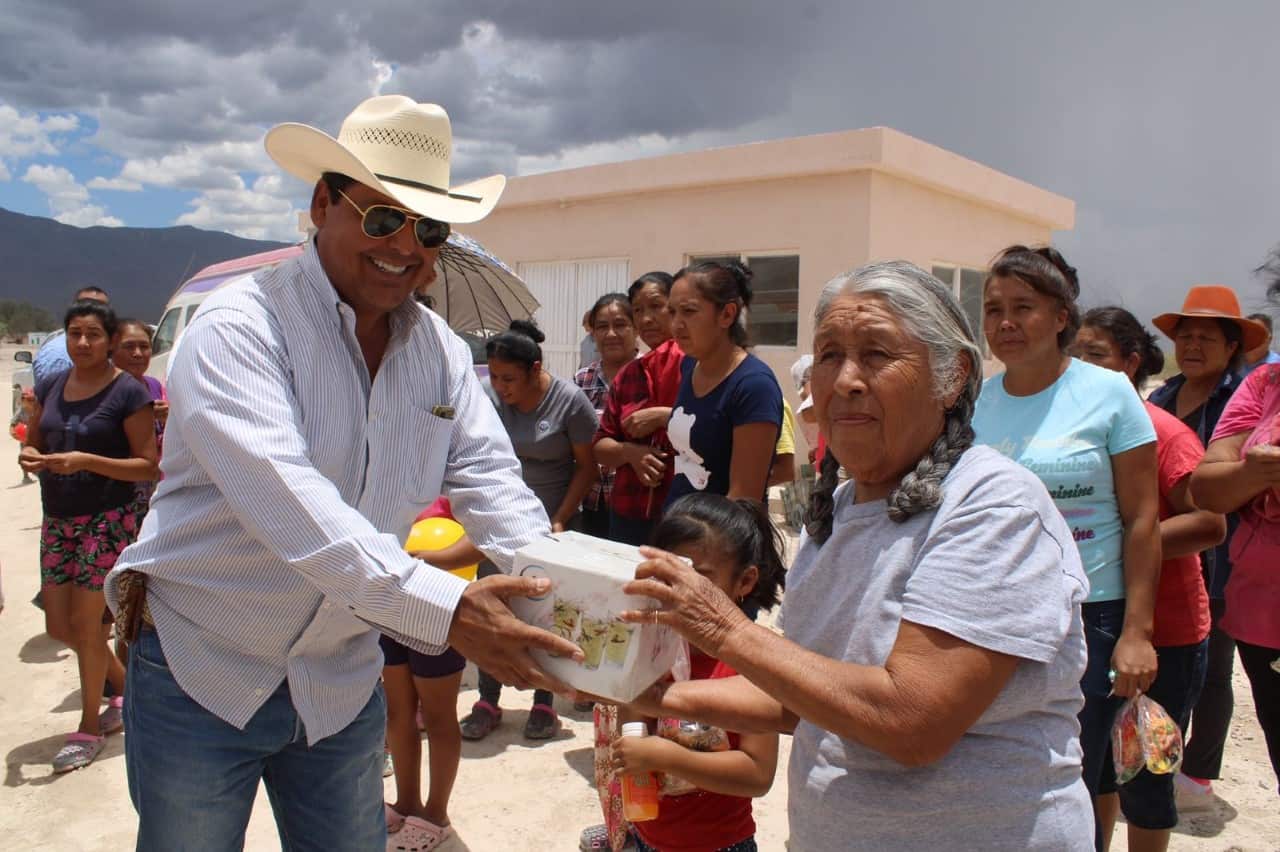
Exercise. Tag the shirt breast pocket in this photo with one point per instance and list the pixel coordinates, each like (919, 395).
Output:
(429, 455)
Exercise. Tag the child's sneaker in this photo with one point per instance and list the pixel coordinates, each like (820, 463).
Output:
(78, 752)
(1192, 794)
(111, 720)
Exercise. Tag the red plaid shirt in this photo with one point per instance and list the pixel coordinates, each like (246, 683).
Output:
(591, 380)
(633, 390)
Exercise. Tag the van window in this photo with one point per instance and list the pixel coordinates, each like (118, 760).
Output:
(191, 311)
(166, 332)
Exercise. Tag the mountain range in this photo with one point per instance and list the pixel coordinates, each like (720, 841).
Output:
(43, 261)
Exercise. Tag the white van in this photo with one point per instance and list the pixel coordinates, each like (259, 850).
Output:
(183, 303)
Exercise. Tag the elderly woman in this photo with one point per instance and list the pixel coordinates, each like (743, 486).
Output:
(934, 637)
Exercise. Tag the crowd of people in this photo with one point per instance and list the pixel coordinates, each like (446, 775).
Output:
(989, 568)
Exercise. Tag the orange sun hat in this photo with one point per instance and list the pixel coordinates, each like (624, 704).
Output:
(1213, 301)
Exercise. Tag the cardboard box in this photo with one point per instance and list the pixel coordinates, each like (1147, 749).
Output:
(587, 575)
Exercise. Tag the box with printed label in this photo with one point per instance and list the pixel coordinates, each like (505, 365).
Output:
(584, 604)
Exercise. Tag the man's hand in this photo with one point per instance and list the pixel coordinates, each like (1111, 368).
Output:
(486, 632)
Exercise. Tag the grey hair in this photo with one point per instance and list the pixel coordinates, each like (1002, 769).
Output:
(931, 314)
(800, 371)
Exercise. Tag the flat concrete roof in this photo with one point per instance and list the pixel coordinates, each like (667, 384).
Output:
(878, 149)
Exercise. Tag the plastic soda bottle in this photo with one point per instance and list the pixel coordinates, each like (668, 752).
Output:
(639, 792)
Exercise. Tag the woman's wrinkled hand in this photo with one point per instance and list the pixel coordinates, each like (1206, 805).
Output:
(161, 410)
(690, 603)
(636, 755)
(646, 421)
(1134, 662)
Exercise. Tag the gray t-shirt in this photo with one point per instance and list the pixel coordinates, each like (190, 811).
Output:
(543, 439)
(994, 565)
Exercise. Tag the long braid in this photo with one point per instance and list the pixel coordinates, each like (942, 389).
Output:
(921, 489)
(822, 502)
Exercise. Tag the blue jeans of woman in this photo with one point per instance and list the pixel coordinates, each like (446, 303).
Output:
(1102, 624)
(193, 777)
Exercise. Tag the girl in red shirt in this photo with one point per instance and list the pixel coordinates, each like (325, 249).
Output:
(709, 776)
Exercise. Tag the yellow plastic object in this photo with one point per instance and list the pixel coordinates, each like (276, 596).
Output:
(432, 534)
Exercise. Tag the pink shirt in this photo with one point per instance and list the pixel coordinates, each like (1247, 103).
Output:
(1253, 592)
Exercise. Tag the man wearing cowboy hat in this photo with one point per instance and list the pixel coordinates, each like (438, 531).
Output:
(316, 408)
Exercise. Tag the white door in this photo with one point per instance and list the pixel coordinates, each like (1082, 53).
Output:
(567, 289)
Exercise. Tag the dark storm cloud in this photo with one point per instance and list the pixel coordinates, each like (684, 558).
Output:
(1154, 117)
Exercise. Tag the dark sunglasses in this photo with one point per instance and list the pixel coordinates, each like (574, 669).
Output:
(380, 221)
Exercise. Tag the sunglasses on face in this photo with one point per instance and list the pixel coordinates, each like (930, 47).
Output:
(380, 221)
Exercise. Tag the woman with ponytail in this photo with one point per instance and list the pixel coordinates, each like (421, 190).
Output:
(551, 423)
(1084, 433)
(934, 641)
(725, 423)
(1113, 338)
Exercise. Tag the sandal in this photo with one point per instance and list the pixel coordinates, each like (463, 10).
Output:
(595, 838)
(77, 752)
(543, 723)
(395, 820)
(418, 835)
(481, 721)
(112, 719)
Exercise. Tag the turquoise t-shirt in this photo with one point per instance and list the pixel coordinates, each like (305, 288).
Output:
(1066, 435)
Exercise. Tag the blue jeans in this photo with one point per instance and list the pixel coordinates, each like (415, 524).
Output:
(1103, 621)
(193, 777)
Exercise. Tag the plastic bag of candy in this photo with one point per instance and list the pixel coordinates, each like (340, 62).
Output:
(694, 736)
(1145, 735)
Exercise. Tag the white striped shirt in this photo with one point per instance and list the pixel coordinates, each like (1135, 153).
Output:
(273, 544)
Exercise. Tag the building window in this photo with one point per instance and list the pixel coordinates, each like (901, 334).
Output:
(775, 304)
(966, 285)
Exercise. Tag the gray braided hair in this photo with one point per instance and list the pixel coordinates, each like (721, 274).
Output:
(929, 312)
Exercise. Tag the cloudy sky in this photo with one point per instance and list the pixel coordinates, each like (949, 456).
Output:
(1157, 118)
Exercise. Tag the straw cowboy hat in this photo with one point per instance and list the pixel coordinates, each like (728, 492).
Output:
(1213, 301)
(395, 145)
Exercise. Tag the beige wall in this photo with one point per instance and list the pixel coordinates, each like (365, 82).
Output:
(919, 224)
(834, 222)
(824, 219)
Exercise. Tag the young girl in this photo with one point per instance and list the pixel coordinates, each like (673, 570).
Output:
(706, 804)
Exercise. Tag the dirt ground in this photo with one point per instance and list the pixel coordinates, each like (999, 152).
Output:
(511, 794)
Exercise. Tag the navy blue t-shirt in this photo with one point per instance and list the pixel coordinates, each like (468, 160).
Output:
(701, 428)
(94, 425)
